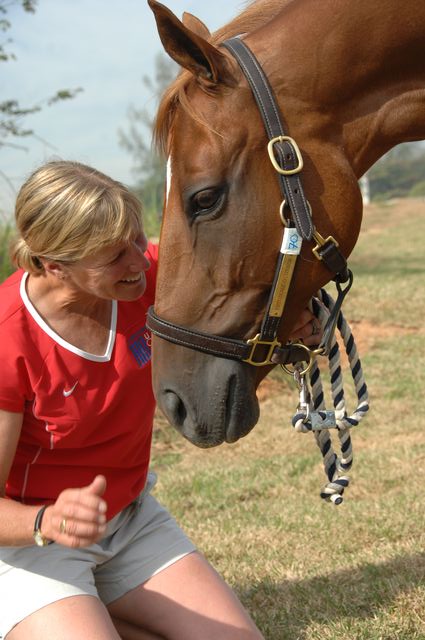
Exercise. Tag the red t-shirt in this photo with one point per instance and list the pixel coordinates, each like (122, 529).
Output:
(83, 414)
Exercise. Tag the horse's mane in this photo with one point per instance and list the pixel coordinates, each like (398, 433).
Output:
(255, 15)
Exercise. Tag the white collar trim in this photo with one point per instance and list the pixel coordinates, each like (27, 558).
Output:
(57, 338)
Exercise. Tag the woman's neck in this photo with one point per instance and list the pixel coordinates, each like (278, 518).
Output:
(81, 319)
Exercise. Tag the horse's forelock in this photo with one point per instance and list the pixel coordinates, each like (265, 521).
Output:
(255, 15)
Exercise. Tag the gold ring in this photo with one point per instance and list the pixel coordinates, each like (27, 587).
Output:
(62, 526)
(309, 360)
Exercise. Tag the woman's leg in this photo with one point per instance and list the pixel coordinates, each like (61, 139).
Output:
(186, 601)
(129, 631)
(74, 618)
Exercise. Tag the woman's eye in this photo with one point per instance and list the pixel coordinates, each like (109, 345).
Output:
(116, 258)
(206, 201)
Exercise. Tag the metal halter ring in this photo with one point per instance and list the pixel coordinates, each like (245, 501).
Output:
(309, 361)
(286, 221)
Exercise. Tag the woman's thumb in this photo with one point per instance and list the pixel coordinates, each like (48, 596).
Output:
(98, 486)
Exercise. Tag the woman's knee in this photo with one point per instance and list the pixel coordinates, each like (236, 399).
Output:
(73, 618)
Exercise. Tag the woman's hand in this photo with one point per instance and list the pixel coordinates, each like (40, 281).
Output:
(77, 518)
(307, 328)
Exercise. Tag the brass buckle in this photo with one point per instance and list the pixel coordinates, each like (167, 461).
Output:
(255, 342)
(276, 165)
(320, 242)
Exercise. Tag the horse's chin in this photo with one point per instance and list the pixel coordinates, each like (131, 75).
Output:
(226, 413)
(212, 434)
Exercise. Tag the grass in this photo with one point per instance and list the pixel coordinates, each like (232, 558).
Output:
(305, 569)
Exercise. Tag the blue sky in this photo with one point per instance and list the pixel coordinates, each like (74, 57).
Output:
(103, 46)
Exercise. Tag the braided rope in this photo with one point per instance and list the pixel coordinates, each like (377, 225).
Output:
(318, 420)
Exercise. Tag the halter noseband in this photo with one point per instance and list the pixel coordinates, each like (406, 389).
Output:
(285, 156)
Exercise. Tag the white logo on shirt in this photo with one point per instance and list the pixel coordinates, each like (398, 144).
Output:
(68, 392)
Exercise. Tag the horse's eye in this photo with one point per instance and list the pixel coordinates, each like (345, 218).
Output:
(206, 201)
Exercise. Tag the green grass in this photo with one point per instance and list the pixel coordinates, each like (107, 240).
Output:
(388, 266)
(305, 569)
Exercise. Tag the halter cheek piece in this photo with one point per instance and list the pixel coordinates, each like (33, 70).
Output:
(285, 156)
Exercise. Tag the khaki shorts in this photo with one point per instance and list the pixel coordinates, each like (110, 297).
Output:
(140, 541)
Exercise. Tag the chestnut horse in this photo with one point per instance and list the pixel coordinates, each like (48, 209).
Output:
(349, 80)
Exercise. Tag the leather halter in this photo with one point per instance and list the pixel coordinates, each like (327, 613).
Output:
(264, 348)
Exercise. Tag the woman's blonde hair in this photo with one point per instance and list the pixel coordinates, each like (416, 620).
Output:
(67, 210)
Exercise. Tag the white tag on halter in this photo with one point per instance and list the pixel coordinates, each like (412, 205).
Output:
(291, 243)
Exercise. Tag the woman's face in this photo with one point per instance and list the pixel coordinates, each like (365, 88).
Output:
(116, 272)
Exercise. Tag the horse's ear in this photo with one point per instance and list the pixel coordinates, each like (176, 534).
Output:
(196, 25)
(190, 49)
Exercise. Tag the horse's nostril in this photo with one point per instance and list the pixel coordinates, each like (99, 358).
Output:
(174, 408)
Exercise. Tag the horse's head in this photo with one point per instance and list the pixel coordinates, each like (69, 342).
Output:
(221, 229)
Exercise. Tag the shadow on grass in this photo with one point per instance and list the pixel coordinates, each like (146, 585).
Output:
(285, 610)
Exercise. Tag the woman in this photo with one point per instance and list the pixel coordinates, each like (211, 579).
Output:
(86, 551)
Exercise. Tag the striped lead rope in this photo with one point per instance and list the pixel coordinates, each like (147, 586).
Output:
(312, 415)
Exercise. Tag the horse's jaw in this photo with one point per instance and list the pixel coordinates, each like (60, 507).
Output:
(228, 412)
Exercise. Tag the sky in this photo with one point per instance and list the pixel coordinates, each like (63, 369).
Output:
(104, 46)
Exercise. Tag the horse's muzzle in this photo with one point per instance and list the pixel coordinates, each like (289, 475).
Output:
(209, 400)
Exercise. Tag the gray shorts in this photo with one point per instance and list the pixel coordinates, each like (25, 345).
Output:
(139, 542)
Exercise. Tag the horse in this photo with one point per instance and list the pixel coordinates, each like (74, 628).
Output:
(349, 81)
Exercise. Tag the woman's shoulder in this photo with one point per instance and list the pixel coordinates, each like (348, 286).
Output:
(10, 298)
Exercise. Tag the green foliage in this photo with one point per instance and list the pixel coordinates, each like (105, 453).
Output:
(11, 112)
(27, 5)
(398, 173)
(418, 191)
(6, 268)
(149, 166)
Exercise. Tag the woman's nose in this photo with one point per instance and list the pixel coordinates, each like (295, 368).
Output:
(138, 260)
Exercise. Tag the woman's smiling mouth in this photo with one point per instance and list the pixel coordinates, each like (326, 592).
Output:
(132, 280)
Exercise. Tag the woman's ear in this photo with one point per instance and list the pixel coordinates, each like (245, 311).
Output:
(53, 268)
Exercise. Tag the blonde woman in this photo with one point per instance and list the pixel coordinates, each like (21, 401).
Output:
(85, 549)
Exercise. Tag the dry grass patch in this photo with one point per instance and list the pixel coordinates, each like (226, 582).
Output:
(305, 569)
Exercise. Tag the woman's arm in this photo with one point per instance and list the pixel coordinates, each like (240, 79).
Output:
(16, 520)
(81, 511)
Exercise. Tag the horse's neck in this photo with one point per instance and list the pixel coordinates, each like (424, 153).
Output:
(355, 67)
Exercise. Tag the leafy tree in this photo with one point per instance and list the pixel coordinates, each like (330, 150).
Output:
(149, 168)
(12, 114)
(13, 117)
(418, 191)
(399, 173)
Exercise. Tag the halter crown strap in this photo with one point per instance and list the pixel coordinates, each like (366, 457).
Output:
(285, 149)
(286, 158)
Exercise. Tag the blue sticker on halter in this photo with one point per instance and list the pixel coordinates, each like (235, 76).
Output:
(291, 243)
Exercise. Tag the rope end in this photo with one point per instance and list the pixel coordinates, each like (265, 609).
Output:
(332, 492)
